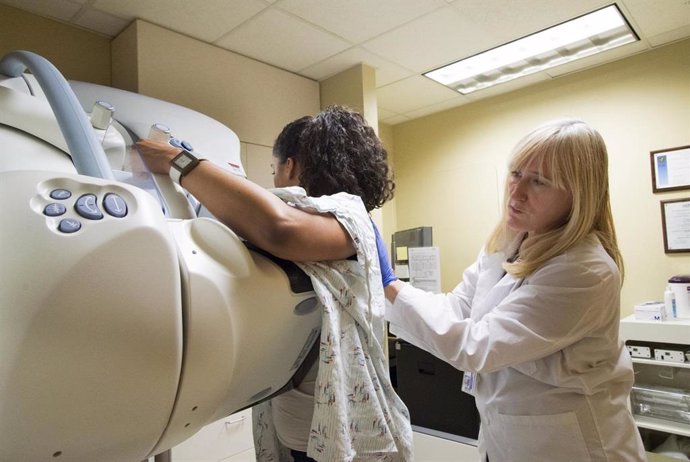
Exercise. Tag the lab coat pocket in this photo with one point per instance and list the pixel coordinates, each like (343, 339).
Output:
(537, 438)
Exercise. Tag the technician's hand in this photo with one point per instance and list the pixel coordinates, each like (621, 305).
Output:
(157, 155)
(387, 274)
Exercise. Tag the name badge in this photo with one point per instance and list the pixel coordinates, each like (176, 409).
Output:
(469, 382)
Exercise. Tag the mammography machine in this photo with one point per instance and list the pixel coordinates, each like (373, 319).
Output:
(129, 317)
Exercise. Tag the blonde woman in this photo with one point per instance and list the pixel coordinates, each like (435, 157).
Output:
(534, 322)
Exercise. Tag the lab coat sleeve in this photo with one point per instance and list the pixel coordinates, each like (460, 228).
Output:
(409, 305)
(454, 307)
(563, 302)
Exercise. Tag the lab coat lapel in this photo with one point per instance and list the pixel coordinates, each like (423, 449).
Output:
(489, 284)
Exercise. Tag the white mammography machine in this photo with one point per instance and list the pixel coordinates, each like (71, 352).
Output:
(129, 318)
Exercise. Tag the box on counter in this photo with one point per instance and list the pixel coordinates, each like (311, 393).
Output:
(651, 311)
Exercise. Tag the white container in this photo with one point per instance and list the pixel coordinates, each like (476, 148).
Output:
(669, 303)
(680, 286)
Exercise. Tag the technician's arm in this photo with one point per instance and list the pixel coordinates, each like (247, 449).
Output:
(254, 213)
(563, 303)
(392, 290)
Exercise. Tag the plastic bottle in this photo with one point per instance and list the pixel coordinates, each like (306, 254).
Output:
(670, 303)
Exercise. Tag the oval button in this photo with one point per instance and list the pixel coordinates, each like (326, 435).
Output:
(69, 225)
(115, 205)
(87, 207)
(54, 210)
(60, 194)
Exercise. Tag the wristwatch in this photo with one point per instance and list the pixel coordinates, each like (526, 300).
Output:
(182, 164)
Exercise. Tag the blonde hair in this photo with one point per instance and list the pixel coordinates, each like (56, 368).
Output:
(578, 159)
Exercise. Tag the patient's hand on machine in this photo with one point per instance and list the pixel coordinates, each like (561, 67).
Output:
(157, 155)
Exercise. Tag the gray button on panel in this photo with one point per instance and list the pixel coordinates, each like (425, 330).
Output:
(54, 210)
(69, 225)
(87, 207)
(60, 194)
(115, 205)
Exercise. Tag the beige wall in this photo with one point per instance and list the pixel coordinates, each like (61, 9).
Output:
(387, 216)
(355, 88)
(450, 166)
(254, 99)
(78, 54)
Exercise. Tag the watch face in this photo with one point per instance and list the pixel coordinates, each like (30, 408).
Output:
(183, 161)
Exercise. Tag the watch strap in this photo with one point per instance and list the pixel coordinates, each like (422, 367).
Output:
(175, 175)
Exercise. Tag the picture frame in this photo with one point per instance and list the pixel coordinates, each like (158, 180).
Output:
(670, 169)
(675, 222)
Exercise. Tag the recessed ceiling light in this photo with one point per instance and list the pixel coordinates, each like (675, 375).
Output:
(586, 35)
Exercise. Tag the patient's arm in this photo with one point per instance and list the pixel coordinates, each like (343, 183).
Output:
(255, 213)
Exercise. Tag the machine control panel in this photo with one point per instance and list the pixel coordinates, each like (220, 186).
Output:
(86, 206)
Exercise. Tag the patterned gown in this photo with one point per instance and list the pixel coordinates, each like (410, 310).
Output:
(357, 414)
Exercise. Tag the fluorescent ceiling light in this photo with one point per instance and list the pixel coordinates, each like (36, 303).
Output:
(592, 33)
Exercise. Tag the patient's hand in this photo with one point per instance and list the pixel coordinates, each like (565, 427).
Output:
(157, 155)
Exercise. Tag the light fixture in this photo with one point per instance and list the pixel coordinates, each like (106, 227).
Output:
(586, 35)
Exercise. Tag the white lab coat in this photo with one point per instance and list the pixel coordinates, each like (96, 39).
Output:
(552, 376)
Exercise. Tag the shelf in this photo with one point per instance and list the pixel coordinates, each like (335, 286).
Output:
(654, 362)
(662, 425)
(673, 331)
(670, 322)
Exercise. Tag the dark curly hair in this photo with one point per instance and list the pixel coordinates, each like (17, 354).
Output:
(338, 151)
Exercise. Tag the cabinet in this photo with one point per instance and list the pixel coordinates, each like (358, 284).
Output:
(228, 439)
(660, 400)
(431, 390)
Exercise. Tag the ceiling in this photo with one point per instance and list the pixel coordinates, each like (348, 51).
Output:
(401, 39)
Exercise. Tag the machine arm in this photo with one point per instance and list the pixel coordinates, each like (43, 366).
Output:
(87, 154)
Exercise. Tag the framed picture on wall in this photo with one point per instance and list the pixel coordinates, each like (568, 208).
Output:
(670, 169)
(675, 221)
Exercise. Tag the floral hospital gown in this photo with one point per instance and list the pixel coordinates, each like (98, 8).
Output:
(357, 414)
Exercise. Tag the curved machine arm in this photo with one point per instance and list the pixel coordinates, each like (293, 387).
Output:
(87, 154)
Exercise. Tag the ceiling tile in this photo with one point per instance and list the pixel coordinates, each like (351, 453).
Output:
(59, 9)
(507, 20)
(394, 120)
(386, 71)
(97, 20)
(456, 101)
(438, 38)
(412, 93)
(291, 45)
(655, 17)
(205, 20)
(383, 113)
(359, 20)
(601, 58)
(670, 36)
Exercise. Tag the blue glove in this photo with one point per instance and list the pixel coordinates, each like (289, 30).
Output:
(387, 274)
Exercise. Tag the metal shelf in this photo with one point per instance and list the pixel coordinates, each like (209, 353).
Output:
(674, 332)
(655, 362)
(662, 425)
